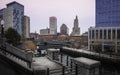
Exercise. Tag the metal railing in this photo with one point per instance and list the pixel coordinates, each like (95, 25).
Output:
(64, 71)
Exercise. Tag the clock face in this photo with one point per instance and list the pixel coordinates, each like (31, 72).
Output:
(2, 22)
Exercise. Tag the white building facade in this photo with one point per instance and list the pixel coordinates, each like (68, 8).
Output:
(26, 27)
(53, 25)
(45, 31)
(104, 39)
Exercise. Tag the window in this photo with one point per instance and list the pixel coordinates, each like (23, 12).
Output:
(118, 34)
(100, 34)
(109, 34)
(96, 34)
(105, 32)
(90, 34)
(113, 34)
(93, 34)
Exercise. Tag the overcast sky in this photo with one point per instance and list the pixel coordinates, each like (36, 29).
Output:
(39, 12)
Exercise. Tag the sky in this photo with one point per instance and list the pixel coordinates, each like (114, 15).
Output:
(65, 11)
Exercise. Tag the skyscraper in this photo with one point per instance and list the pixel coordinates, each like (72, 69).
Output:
(76, 29)
(107, 13)
(26, 27)
(53, 25)
(64, 29)
(12, 16)
(105, 37)
(6, 14)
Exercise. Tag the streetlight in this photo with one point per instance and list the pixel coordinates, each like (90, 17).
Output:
(2, 28)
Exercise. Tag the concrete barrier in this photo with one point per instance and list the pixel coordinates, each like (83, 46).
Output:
(27, 56)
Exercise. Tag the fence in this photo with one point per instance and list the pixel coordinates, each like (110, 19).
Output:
(64, 71)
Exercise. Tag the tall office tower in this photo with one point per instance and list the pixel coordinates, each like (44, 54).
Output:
(76, 29)
(105, 37)
(26, 27)
(107, 13)
(64, 29)
(18, 13)
(53, 25)
(12, 16)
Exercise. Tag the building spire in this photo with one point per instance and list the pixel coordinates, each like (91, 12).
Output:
(76, 17)
(76, 29)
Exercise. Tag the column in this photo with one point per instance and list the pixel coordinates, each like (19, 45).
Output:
(98, 34)
(102, 34)
(95, 34)
(116, 40)
(89, 38)
(102, 40)
(107, 34)
(111, 33)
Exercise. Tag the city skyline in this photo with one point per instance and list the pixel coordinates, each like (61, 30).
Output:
(64, 11)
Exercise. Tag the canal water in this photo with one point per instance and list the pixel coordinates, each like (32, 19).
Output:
(105, 69)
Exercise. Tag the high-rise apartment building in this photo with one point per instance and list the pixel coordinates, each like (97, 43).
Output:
(64, 29)
(53, 25)
(26, 27)
(107, 13)
(13, 16)
(6, 15)
(76, 29)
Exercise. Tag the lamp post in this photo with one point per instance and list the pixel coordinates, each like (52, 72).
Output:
(2, 28)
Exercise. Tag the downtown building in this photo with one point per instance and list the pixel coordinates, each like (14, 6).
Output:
(53, 25)
(13, 17)
(64, 30)
(76, 29)
(45, 31)
(26, 27)
(105, 36)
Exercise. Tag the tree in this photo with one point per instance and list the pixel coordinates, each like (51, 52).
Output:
(12, 36)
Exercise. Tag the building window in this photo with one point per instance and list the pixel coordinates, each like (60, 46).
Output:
(90, 34)
(100, 34)
(93, 34)
(96, 34)
(113, 34)
(105, 32)
(118, 34)
(21, 13)
(109, 34)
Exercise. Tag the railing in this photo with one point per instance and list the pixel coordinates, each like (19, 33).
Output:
(20, 57)
(64, 71)
(58, 71)
(79, 52)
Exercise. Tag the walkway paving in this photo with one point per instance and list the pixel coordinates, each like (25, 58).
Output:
(42, 63)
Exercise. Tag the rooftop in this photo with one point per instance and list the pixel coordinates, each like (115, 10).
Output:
(14, 2)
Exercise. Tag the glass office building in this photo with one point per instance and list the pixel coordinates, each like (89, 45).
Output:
(18, 13)
(105, 37)
(107, 13)
(13, 16)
